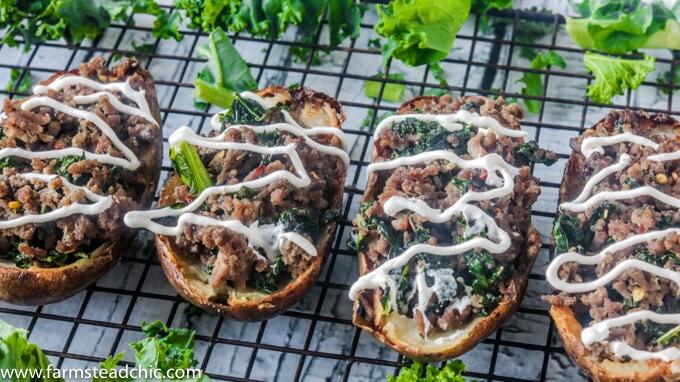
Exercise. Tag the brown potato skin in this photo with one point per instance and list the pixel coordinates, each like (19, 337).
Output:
(565, 319)
(478, 329)
(319, 108)
(38, 286)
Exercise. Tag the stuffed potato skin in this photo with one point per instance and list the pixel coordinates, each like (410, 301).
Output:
(187, 274)
(38, 284)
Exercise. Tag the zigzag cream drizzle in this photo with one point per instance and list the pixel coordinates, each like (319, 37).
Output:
(497, 240)
(129, 162)
(100, 204)
(268, 237)
(599, 331)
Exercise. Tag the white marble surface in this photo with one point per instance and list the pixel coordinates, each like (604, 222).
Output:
(136, 291)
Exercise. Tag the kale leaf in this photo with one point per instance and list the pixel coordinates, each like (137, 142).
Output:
(613, 75)
(225, 72)
(531, 153)
(190, 167)
(420, 32)
(533, 83)
(268, 282)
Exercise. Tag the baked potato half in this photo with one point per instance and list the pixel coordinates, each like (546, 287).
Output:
(255, 203)
(75, 156)
(444, 235)
(616, 270)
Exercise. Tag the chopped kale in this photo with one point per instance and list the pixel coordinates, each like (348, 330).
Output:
(669, 337)
(648, 257)
(601, 212)
(243, 111)
(631, 183)
(531, 153)
(244, 192)
(267, 282)
(461, 184)
(653, 329)
(7, 162)
(63, 164)
(403, 288)
(484, 276)
(432, 136)
(569, 234)
(20, 260)
(300, 220)
(330, 216)
(269, 138)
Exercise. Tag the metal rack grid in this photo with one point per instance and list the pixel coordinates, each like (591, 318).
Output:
(316, 340)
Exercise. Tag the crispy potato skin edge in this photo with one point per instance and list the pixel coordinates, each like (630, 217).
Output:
(481, 328)
(570, 328)
(40, 286)
(279, 301)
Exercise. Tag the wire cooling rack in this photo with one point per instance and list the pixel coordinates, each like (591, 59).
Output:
(315, 341)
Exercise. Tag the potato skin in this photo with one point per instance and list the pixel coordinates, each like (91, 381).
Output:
(38, 286)
(570, 328)
(479, 328)
(319, 109)
(476, 331)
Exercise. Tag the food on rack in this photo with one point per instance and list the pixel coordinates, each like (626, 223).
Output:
(443, 235)
(254, 203)
(75, 156)
(617, 239)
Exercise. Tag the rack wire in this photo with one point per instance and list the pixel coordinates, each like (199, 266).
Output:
(316, 339)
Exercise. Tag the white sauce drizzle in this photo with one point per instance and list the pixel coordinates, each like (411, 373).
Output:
(100, 204)
(130, 160)
(591, 145)
(268, 237)
(599, 332)
(478, 219)
(453, 122)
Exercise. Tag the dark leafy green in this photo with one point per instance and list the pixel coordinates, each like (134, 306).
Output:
(569, 234)
(530, 152)
(243, 111)
(533, 83)
(431, 136)
(224, 73)
(300, 220)
(190, 167)
(63, 164)
(486, 273)
(268, 282)
(271, 18)
(35, 21)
